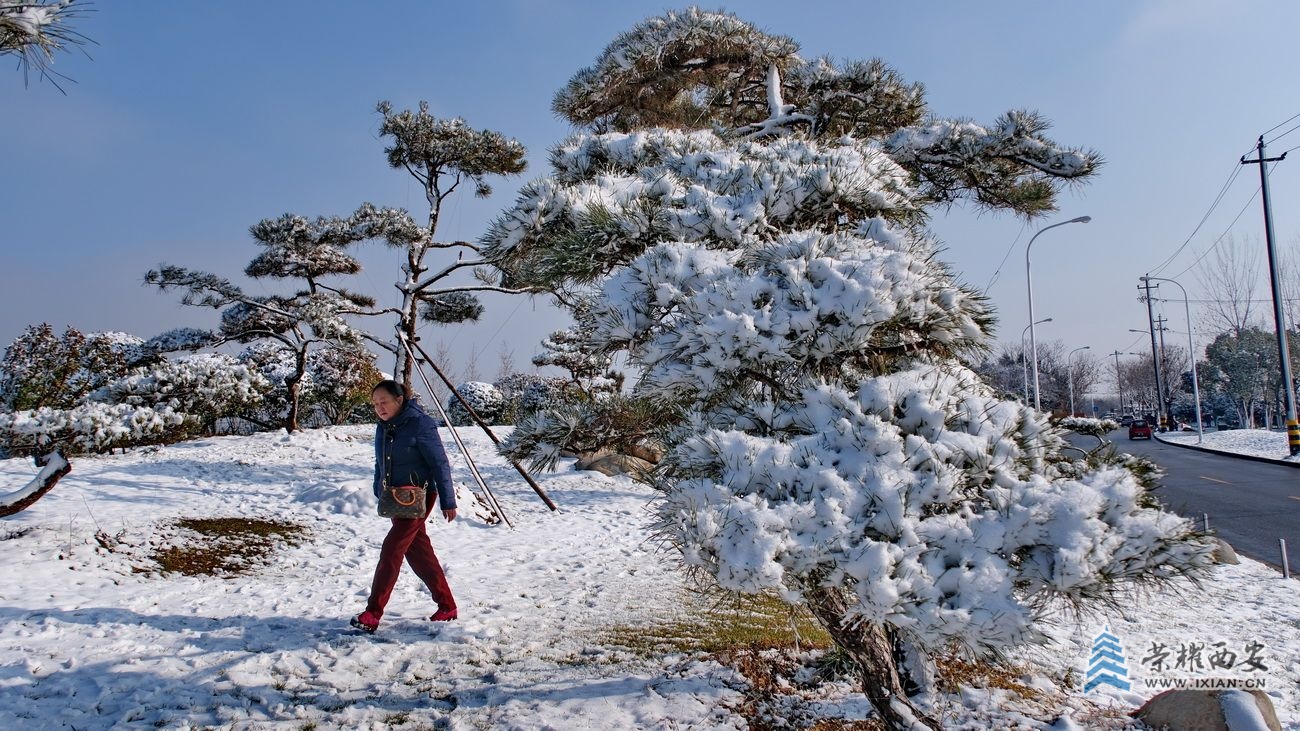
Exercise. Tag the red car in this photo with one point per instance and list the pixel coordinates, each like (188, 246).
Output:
(1139, 430)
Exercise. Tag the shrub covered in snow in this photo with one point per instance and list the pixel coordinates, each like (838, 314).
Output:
(161, 403)
(42, 369)
(204, 387)
(764, 261)
(91, 427)
(484, 398)
(1091, 427)
(527, 393)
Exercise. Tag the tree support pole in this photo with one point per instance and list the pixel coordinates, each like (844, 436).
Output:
(488, 497)
(483, 425)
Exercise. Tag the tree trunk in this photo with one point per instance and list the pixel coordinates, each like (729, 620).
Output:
(872, 649)
(294, 384)
(53, 468)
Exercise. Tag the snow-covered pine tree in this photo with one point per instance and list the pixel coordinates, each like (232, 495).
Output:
(336, 382)
(590, 368)
(41, 369)
(34, 30)
(295, 249)
(752, 227)
(441, 155)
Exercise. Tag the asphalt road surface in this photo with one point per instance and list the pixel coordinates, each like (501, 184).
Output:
(1251, 504)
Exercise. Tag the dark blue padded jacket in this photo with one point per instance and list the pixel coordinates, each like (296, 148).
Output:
(408, 451)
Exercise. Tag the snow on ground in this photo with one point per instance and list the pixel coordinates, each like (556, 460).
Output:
(89, 642)
(1255, 442)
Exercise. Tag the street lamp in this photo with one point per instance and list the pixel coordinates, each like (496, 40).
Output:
(1024, 359)
(1033, 340)
(1069, 374)
(1191, 353)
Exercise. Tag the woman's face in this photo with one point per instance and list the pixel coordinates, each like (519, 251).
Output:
(386, 404)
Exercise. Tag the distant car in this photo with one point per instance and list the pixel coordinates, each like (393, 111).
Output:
(1125, 420)
(1139, 429)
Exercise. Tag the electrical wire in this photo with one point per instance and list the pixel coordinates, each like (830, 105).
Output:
(1010, 248)
(1221, 236)
(1279, 124)
(1236, 170)
(1284, 134)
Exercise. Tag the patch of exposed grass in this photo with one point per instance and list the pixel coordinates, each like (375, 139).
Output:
(762, 638)
(762, 621)
(224, 546)
(954, 673)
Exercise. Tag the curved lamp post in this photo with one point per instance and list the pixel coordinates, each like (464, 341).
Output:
(1069, 374)
(1191, 353)
(1033, 341)
(1024, 356)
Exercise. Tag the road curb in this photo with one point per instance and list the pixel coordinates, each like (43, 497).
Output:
(1251, 457)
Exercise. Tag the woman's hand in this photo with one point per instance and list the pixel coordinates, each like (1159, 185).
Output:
(450, 515)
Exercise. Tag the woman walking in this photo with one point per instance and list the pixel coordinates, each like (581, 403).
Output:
(408, 451)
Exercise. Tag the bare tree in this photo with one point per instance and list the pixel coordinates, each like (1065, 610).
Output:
(1289, 273)
(471, 365)
(505, 361)
(1230, 281)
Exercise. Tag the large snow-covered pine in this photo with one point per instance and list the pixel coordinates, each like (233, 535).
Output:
(750, 228)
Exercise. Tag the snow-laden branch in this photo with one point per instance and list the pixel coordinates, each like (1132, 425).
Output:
(55, 467)
(781, 116)
(443, 274)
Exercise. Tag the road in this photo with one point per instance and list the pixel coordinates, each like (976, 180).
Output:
(1251, 504)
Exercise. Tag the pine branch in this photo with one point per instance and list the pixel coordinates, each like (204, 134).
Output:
(446, 272)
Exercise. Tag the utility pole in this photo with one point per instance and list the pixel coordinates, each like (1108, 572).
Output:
(1119, 383)
(1279, 320)
(1167, 417)
(1155, 358)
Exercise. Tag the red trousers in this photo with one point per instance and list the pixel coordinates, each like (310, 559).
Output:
(407, 539)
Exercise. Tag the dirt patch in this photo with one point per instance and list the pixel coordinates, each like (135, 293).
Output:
(223, 546)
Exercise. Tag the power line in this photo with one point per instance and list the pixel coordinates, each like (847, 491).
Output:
(1279, 124)
(1284, 134)
(1221, 236)
(1010, 248)
(1236, 170)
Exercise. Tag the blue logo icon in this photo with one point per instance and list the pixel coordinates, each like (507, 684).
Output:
(1106, 665)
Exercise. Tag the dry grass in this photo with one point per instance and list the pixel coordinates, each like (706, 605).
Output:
(953, 674)
(740, 622)
(224, 546)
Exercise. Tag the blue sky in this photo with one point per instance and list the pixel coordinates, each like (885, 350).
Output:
(194, 120)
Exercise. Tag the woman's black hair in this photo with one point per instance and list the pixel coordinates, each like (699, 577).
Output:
(392, 388)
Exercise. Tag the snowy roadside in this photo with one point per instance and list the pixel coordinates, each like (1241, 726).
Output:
(87, 641)
(1253, 442)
